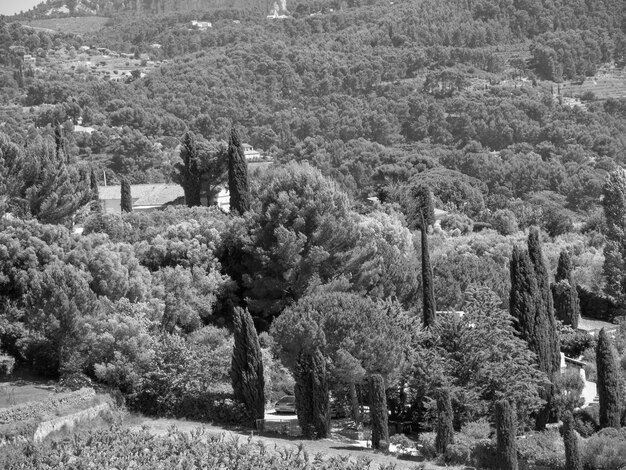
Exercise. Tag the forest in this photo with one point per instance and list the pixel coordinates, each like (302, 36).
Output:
(330, 272)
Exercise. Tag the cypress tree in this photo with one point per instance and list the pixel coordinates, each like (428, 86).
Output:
(445, 429)
(59, 143)
(311, 390)
(536, 326)
(247, 365)
(570, 440)
(524, 294)
(237, 174)
(189, 174)
(608, 383)
(506, 430)
(126, 203)
(95, 193)
(378, 412)
(422, 214)
(614, 205)
(545, 328)
(564, 293)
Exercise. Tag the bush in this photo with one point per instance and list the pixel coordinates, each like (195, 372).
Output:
(543, 448)
(587, 420)
(7, 364)
(574, 342)
(504, 221)
(605, 450)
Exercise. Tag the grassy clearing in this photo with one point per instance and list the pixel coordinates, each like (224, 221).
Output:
(16, 393)
(79, 25)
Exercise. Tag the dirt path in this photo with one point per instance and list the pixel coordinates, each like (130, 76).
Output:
(336, 446)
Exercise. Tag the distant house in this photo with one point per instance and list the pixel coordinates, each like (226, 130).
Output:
(201, 25)
(30, 60)
(146, 197)
(250, 153)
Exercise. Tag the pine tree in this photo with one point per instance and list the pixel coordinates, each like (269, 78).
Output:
(40, 185)
(378, 412)
(564, 293)
(189, 173)
(422, 214)
(506, 430)
(570, 440)
(126, 204)
(445, 429)
(237, 175)
(608, 383)
(311, 390)
(247, 365)
(614, 205)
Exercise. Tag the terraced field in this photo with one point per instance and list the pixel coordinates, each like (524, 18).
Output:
(79, 25)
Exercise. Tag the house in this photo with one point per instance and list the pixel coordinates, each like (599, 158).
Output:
(250, 154)
(146, 197)
(201, 25)
(30, 60)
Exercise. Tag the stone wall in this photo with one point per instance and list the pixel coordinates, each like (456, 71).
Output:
(27, 411)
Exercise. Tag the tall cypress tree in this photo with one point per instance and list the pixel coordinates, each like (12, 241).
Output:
(570, 440)
(189, 173)
(378, 412)
(566, 302)
(545, 329)
(608, 383)
(506, 430)
(421, 216)
(237, 174)
(614, 205)
(247, 365)
(531, 303)
(311, 390)
(95, 193)
(445, 429)
(126, 204)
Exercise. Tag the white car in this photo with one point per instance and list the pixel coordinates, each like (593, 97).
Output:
(286, 404)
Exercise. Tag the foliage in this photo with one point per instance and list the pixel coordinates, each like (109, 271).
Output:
(247, 365)
(100, 448)
(614, 204)
(350, 330)
(238, 185)
(126, 200)
(7, 363)
(378, 412)
(543, 448)
(570, 441)
(605, 450)
(189, 175)
(41, 182)
(608, 383)
(506, 433)
(445, 429)
(481, 357)
(568, 387)
(311, 391)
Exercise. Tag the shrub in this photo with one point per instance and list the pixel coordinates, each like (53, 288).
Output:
(7, 363)
(605, 450)
(543, 448)
(426, 445)
(587, 420)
